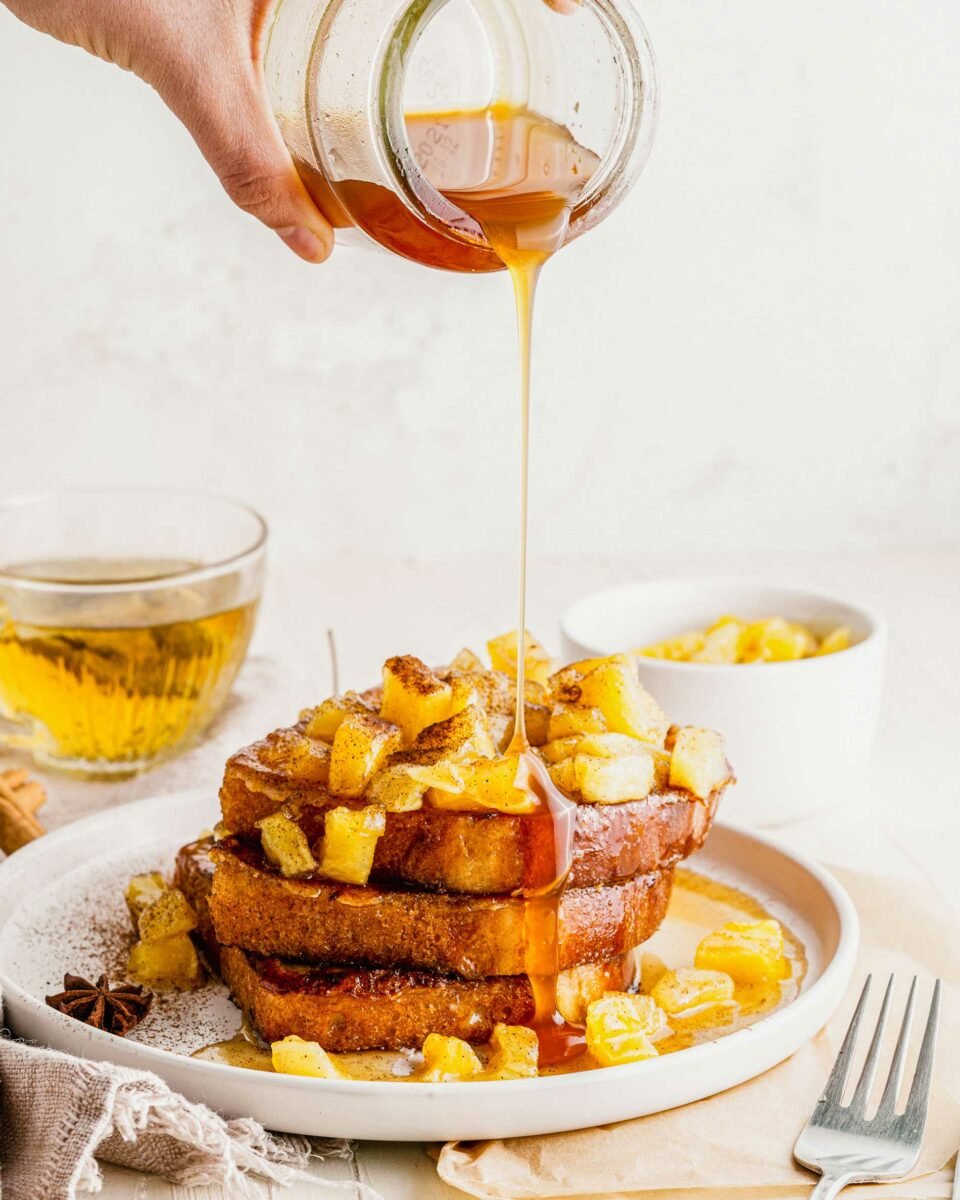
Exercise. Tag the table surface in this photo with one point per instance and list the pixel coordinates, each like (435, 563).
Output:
(903, 822)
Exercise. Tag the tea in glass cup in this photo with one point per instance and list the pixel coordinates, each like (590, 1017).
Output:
(124, 617)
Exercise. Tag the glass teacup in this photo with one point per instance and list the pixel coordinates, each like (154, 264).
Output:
(125, 615)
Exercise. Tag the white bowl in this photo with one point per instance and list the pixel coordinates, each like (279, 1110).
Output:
(798, 733)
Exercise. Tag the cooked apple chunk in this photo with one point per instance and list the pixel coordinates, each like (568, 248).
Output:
(698, 761)
(396, 790)
(686, 990)
(621, 1028)
(360, 746)
(158, 910)
(615, 745)
(172, 963)
(324, 721)
(569, 720)
(615, 689)
(836, 640)
(564, 775)
(537, 664)
(515, 1050)
(501, 784)
(465, 733)
(413, 696)
(557, 751)
(294, 754)
(350, 838)
(748, 951)
(167, 916)
(285, 845)
(141, 892)
(485, 784)
(448, 1059)
(294, 1056)
(466, 662)
(614, 780)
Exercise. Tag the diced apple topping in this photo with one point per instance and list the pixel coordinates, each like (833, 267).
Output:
(537, 664)
(614, 687)
(141, 892)
(294, 1056)
(448, 1059)
(557, 751)
(396, 790)
(169, 915)
(350, 842)
(413, 696)
(564, 775)
(360, 746)
(776, 640)
(677, 649)
(443, 738)
(614, 780)
(463, 734)
(485, 784)
(324, 721)
(621, 1028)
(721, 643)
(689, 989)
(614, 745)
(285, 845)
(164, 956)
(515, 1050)
(749, 952)
(296, 755)
(569, 720)
(732, 640)
(309, 761)
(838, 639)
(172, 963)
(698, 761)
(466, 662)
(501, 784)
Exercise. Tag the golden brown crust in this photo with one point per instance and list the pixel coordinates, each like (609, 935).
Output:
(346, 1008)
(254, 907)
(478, 853)
(356, 1008)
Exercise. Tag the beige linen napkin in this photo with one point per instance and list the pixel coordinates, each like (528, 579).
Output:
(737, 1146)
(59, 1114)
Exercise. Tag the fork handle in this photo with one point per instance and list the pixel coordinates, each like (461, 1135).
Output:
(830, 1186)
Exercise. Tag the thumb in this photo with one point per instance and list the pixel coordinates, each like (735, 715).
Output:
(231, 122)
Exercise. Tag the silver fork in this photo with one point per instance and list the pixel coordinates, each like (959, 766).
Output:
(840, 1141)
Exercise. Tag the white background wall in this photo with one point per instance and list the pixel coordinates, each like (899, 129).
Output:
(760, 350)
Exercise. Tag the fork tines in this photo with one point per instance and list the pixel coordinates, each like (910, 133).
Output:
(914, 1114)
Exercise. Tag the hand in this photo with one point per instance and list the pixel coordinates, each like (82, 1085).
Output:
(203, 58)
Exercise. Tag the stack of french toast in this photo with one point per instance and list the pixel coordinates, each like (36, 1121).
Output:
(366, 887)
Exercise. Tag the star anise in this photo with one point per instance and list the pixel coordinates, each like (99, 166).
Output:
(117, 1010)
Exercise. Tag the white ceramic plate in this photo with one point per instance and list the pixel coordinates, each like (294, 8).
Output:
(61, 909)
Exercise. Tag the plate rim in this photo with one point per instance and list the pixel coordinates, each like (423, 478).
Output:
(839, 966)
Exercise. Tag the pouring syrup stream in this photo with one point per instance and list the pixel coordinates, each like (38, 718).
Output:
(525, 223)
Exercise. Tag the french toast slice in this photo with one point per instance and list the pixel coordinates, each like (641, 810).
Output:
(253, 906)
(355, 1008)
(347, 1008)
(469, 852)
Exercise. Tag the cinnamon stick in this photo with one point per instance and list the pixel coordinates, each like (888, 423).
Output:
(20, 797)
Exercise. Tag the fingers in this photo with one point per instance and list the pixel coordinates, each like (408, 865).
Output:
(230, 120)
